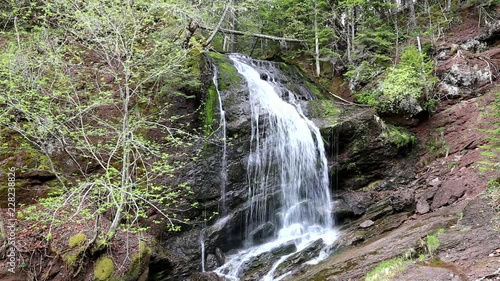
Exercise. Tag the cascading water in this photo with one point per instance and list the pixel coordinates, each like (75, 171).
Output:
(289, 199)
(222, 122)
(223, 168)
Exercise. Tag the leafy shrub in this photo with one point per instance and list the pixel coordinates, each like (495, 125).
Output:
(404, 87)
(432, 244)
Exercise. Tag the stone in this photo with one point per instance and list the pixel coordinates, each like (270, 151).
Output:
(403, 200)
(435, 182)
(299, 258)
(341, 210)
(366, 224)
(206, 276)
(261, 264)
(211, 262)
(358, 202)
(262, 233)
(219, 255)
(423, 207)
(450, 191)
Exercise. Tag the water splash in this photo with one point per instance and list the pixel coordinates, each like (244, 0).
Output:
(289, 198)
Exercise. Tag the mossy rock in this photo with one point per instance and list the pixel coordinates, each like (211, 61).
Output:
(71, 258)
(104, 269)
(324, 109)
(228, 76)
(211, 106)
(140, 262)
(76, 240)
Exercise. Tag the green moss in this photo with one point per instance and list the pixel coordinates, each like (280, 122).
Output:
(387, 270)
(76, 240)
(315, 90)
(372, 185)
(323, 108)
(104, 269)
(228, 76)
(70, 259)
(210, 107)
(139, 262)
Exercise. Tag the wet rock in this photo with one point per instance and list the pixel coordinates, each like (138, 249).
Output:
(264, 76)
(211, 262)
(262, 232)
(423, 207)
(260, 265)
(184, 255)
(206, 276)
(300, 258)
(341, 211)
(366, 224)
(219, 255)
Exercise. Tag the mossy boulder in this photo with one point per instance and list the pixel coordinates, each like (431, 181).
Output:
(104, 269)
(228, 77)
(140, 263)
(76, 240)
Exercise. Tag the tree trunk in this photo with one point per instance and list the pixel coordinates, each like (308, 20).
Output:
(234, 26)
(218, 25)
(316, 40)
(264, 36)
(413, 19)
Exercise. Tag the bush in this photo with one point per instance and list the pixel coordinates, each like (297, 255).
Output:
(404, 87)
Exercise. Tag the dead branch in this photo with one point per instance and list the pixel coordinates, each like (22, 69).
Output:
(258, 35)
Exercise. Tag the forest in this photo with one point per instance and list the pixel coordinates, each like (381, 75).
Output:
(157, 139)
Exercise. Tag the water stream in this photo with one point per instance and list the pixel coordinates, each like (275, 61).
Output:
(289, 199)
(223, 168)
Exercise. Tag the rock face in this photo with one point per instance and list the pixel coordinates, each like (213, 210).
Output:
(466, 68)
(360, 153)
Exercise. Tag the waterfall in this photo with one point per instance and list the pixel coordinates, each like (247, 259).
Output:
(223, 168)
(289, 199)
(222, 136)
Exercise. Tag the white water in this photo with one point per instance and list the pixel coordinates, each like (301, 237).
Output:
(223, 169)
(222, 124)
(287, 174)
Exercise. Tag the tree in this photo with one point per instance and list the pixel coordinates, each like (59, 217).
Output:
(83, 89)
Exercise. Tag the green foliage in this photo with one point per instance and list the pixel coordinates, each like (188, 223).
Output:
(323, 109)
(404, 87)
(104, 269)
(368, 97)
(491, 150)
(387, 270)
(400, 137)
(362, 74)
(432, 244)
(83, 88)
